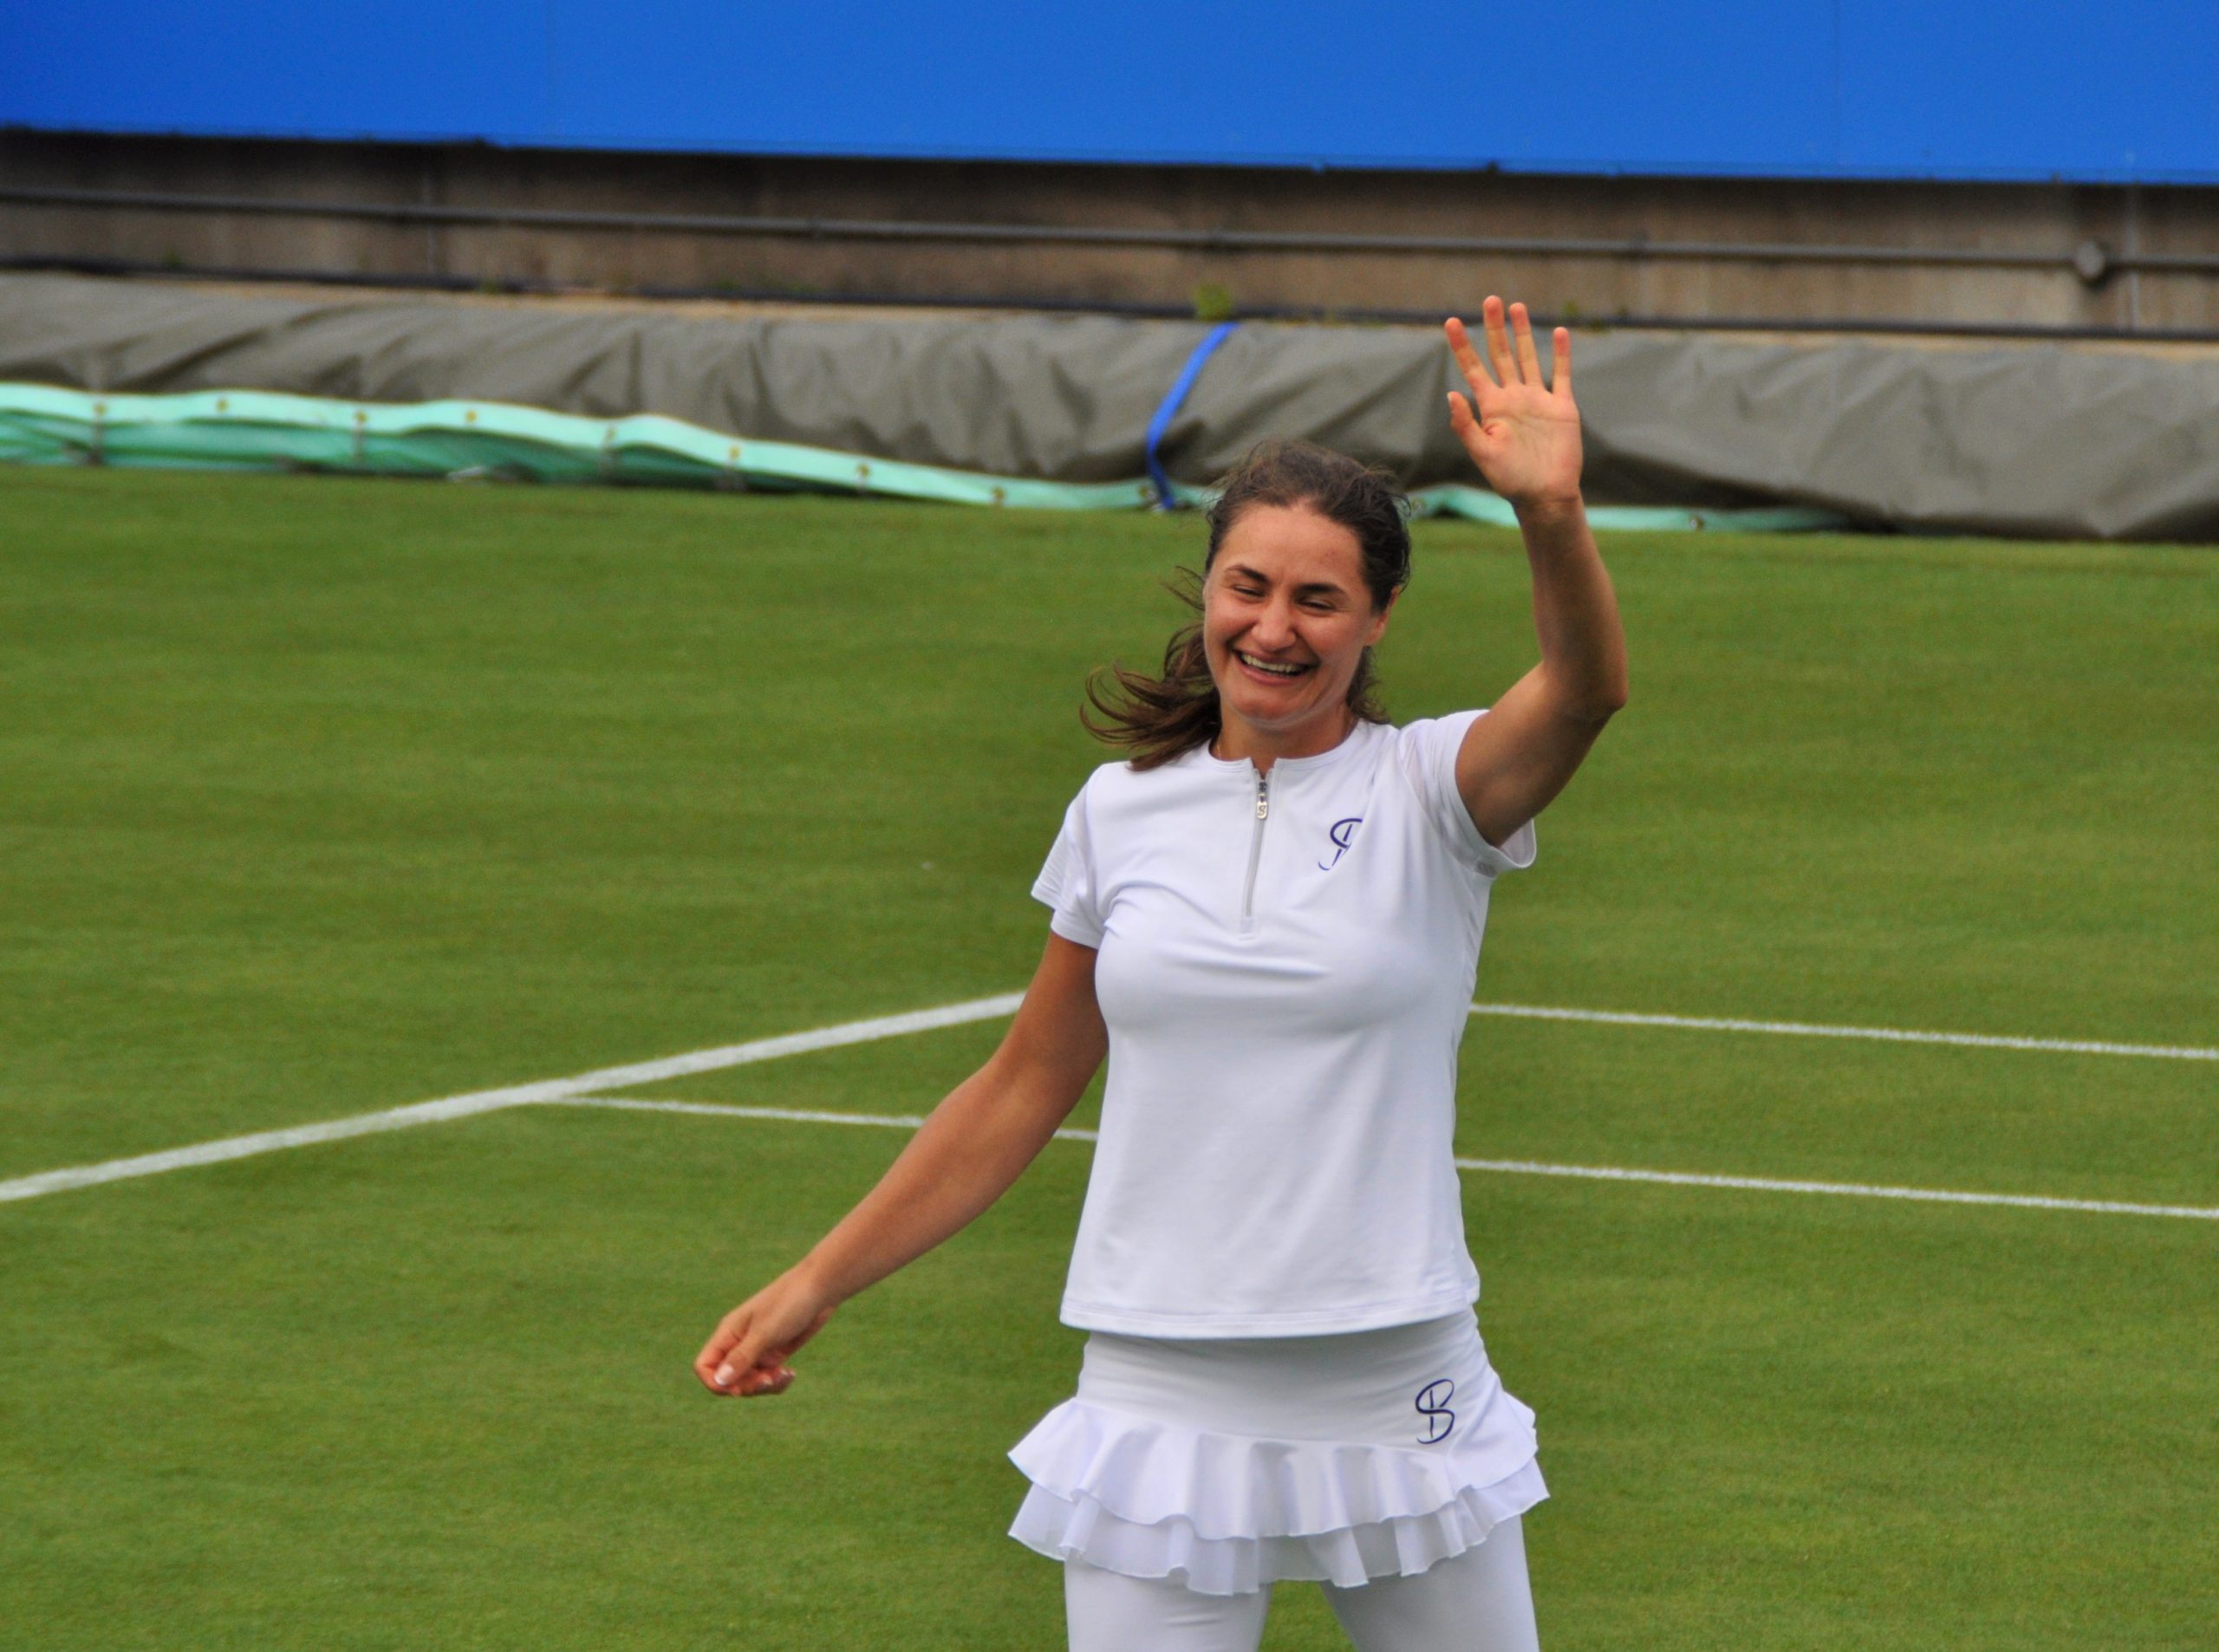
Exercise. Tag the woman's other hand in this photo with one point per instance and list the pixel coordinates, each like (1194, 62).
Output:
(1523, 434)
(964, 1157)
(747, 1354)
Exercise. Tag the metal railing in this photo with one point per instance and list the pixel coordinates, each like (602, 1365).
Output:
(2092, 261)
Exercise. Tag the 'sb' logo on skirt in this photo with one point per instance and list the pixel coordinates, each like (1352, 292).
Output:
(1433, 1405)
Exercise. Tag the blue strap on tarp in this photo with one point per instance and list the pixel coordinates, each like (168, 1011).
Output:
(1167, 498)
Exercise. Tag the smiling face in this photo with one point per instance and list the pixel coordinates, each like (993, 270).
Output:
(1286, 617)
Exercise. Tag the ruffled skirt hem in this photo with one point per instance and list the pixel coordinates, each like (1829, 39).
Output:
(1081, 1529)
(1227, 1514)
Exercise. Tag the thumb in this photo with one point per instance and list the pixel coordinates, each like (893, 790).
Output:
(755, 1359)
(739, 1359)
(1464, 424)
(728, 1352)
(757, 1365)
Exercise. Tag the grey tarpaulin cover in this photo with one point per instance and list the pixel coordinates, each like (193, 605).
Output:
(2021, 440)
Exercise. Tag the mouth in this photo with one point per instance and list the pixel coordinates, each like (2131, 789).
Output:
(1275, 671)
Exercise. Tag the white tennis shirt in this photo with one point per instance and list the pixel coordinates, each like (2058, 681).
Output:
(1285, 963)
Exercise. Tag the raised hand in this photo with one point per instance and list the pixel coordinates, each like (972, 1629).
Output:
(1523, 434)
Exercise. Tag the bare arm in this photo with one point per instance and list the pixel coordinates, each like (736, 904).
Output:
(1525, 437)
(976, 1142)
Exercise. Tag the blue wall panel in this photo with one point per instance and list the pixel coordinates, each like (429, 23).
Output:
(1873, 88)
(398, 69)
(2071, 90)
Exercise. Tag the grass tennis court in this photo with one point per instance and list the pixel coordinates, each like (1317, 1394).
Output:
(318, 798)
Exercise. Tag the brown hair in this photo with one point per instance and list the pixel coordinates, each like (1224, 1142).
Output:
(1157, 718)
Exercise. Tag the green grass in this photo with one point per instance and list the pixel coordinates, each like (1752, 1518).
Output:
(320, 796)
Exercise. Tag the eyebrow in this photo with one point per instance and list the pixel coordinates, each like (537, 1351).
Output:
(1326, 586)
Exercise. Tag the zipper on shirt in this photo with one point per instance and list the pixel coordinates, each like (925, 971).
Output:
(1256, 848)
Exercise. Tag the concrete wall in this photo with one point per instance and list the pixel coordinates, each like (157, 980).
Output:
(2050, 219)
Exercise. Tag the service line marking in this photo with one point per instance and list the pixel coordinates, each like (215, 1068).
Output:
(1891, 1035)
(1511, 1166)
(490, 1101)
(894, 1026)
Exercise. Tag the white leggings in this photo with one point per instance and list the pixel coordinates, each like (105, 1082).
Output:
(1478, 1601)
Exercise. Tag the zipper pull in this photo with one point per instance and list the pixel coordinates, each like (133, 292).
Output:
(1263, 796)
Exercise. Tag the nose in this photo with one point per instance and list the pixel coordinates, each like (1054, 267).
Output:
(1273, 629)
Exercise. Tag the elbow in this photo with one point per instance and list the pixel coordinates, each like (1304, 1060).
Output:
(1612, 699)
(1598, 708)
(1591, 697)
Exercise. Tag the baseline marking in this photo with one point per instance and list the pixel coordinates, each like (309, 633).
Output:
(489, 1101)
(1892, 1035)
(1512, 1167)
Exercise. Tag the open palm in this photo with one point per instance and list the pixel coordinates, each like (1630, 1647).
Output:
(1522, 433)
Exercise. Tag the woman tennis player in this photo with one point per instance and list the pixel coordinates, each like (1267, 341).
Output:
(1268, 917)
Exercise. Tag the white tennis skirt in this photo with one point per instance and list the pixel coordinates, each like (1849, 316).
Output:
(1231, 1463)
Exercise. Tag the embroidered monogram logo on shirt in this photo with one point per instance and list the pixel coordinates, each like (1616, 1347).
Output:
(1343, 833)
(1433, 1405)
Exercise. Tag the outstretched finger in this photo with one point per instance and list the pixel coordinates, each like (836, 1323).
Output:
(1467, 359)
(1529, 361)
(1561, 385)
(1500, 354)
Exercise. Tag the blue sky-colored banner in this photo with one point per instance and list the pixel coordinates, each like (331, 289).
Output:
(1799, 88)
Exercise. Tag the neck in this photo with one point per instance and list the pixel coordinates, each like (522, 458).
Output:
(1240, 739)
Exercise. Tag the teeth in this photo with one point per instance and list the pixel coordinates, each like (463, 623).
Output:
(1265, 665)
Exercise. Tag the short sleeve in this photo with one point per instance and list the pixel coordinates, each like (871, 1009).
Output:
(1067, 883)
(1429, 748)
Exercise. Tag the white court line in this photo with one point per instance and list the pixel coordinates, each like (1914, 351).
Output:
(1513, 1167)
(1857, 1190)
(891, 1026)
(1892, 1035)
(728, 1109)
(489, 1101)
